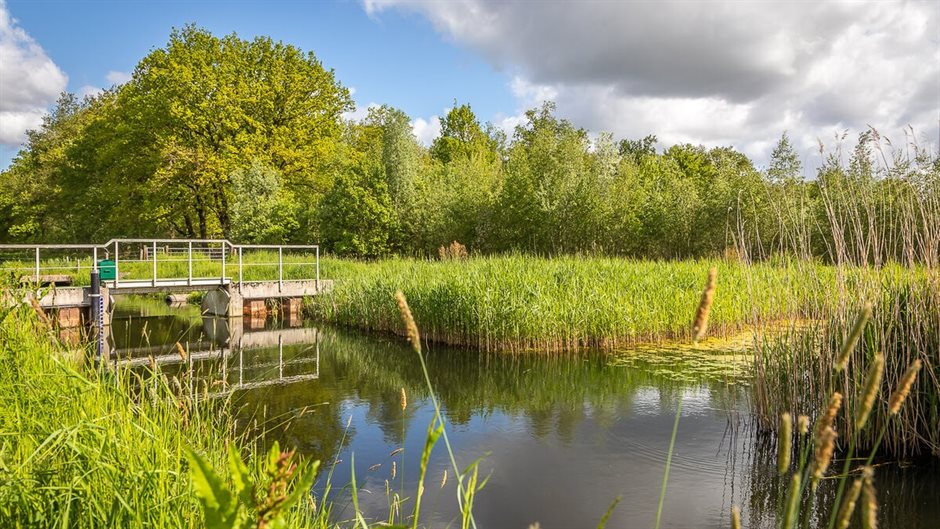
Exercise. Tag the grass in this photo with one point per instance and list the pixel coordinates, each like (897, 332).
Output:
(77, 449)
(521, 302)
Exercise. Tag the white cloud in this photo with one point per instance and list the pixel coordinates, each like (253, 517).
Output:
(29, 81)
(360, 112)
(426, 130)
(115, 78)
(718, 72)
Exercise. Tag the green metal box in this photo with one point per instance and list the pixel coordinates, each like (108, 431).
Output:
(106, 270)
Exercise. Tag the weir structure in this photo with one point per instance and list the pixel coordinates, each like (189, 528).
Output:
(238, 279)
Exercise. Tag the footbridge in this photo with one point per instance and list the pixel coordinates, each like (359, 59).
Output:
(71, 280)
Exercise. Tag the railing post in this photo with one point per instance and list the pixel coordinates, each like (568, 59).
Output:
(154, 263)
(280, 269)
(224, 250)
(117, 271)
(94, 259)
(239, 269)
(37, 265)
(318, 269)
(189, 261)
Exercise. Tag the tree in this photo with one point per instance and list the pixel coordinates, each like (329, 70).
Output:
(785, 163)
(261, 211)
(357, 216)
(203, 107)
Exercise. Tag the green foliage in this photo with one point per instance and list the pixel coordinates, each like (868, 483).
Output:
(244, 504)
(221, 136)
(261, 211)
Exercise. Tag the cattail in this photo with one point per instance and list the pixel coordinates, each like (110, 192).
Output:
(872, 385)
(848, 506)
(403, 400)
(793, 502)
(827, 419)
(410, 327)
(444, 478)
(735, 517)
(803, 424)
(394, 469)
(704, 306)
(783, 443)
(904, 387)
(870, 501)
(825, 446)
(849, 344)
(181, 351)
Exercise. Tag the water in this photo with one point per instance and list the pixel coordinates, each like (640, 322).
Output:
(561, 436)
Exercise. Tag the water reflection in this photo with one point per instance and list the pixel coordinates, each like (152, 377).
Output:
(562, 436)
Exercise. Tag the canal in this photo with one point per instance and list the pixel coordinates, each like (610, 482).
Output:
(560, 436)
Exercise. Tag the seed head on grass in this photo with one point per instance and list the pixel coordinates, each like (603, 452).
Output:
(783, 443)
(849, 344)
(802, 424)
(793, 502)
(403, 400)
(735, 517)
(827, 419)
(700, 325)
(904, 388)
(411, 328)
(825, 445)
(869, 501)
(872, 385)
(848, 506)
(181, 351)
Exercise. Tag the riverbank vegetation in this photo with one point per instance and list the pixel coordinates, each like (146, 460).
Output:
(78, 449)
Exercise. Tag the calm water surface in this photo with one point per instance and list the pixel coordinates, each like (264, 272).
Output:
(561, 437)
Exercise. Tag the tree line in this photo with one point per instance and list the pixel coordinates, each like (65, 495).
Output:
(247, 140)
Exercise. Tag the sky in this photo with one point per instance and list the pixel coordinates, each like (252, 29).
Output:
(713, 72)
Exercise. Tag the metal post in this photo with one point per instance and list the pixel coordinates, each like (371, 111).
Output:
(239, 269)
(318, 269)
(189, 261)
(37, 265)
(280, 269)
(97, 318)
(154, 263)
(117, 272)
(224, 250)
(94, 259)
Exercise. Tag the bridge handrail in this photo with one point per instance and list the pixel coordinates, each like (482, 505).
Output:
(223, 243)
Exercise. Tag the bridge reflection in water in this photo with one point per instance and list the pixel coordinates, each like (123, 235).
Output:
(220, 355)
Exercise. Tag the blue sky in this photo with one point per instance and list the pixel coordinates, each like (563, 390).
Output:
(718, 73)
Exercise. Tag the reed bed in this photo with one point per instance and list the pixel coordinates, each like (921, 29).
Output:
(880, 231)
(519, 302)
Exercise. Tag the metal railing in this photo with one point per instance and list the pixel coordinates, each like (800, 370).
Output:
(195, 250)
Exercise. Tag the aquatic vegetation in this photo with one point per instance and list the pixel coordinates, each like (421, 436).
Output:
(519, 302)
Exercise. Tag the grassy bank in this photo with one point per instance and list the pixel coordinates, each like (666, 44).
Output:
(523, 302)
(79, 450)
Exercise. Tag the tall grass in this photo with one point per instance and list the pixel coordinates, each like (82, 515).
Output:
(79, 448)
(522, 302)
(882, 242)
